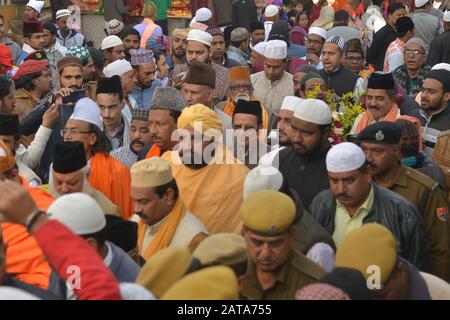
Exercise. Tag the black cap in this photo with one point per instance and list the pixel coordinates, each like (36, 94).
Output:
(441, 75)
(249, 107)
(9, 124)
(351, 281)
(69, 156)
(121, 232)
(37, 56)
(280, 31)
(381, 81)
(382, 132)
(110, 85)
(256, 26)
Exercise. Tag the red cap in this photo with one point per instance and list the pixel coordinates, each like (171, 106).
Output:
(6, 60)
(33, 26)
(29, 67)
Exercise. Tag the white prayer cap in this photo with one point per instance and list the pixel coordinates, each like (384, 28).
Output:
(12, 293)
(193, 21)
(321, 32)
(117, 68)
(36, 5)
(260, 47)
(447, 16)
(290, 103)
(78, 212)
(271, 11)
(203, 14)
(87, 110)
(62, 13)
(111, 42)
(200, 36)
(315, 1)
(441, 66)
(420, 3)
(345, 157)
(133, 291)
(276, 49)
(314, 111)
(263, 177)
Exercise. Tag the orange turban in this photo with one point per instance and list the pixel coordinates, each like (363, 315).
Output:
(199, 113)
(240, 73)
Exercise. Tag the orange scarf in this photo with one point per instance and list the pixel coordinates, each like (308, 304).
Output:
(112, 178)
(367, 118)
(154, 151)
(230, 106)
(165, 232)
(391, 116)
(147, 33)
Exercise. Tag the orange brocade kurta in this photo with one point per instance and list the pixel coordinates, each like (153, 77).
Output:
(24, 258)
(112, 178)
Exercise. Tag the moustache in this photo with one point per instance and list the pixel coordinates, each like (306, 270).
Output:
(371, 165)
(137, 142)
(342, 195)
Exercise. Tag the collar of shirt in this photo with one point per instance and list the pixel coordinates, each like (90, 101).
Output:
(119, 130)
(444, 111)
(27, 48)
(401, 179)
(155, 227)
(109, 256)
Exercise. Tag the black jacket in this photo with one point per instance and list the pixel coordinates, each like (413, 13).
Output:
(342, 81)
(433, 126)
(391, 210)
(244, 13)
(381, 41)
(440, 49)
(309, 231)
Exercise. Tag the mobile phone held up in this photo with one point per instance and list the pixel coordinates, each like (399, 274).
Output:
(74, 97)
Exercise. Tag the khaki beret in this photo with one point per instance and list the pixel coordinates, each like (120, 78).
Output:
(163, 269)
(222, 249)
(213, 283)
(149, 173)
(371, 245)
(268, 212)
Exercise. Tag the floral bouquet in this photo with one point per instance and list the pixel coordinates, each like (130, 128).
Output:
(344, 111)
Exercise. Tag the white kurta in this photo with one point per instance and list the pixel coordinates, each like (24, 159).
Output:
(271, 94)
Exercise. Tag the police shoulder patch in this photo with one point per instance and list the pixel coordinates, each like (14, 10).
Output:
(442, 214)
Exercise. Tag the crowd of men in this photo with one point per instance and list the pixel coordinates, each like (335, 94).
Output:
(196, 165)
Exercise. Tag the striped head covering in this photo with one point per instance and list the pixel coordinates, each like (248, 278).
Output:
(339, 41)
(215, 31)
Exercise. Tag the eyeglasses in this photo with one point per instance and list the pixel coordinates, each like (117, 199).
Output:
(413, 52)
(73, 131)
(244, 87)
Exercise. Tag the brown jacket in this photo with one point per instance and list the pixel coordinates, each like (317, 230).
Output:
(25, 102)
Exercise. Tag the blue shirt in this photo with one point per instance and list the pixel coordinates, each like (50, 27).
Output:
(295, 50)
(144, 97)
